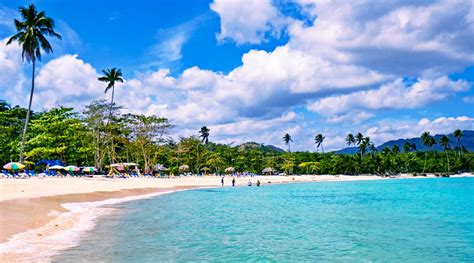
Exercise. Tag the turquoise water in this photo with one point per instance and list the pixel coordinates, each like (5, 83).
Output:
(416, 220)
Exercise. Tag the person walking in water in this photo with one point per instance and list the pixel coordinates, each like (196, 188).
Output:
(258, 182)
(222, 181)
(233, 182)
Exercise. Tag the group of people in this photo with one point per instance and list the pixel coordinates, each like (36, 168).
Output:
(233, 182)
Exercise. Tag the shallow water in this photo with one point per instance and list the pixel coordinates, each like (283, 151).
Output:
(412, 220)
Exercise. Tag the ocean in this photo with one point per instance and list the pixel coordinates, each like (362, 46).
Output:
(407, 220)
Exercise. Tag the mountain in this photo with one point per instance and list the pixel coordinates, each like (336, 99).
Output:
(467, 140)
(261, 147)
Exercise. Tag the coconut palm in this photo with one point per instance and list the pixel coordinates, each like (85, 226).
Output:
(428, 141)
(318, 140)
(287, 139)
(111, 76)
(444, 141)
(31, 35)
(458, 134)
(359, 138)
(350, 140)
(204, 134)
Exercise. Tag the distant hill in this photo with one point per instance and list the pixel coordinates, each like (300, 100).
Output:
(253, 145)
(467, 140)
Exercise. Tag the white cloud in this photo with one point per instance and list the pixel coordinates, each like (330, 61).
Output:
(391, 130)
(67, 81)
(247, 21)
(10, 61)
(395, 37)
(170, 42)
(352, 59)
(395, 95)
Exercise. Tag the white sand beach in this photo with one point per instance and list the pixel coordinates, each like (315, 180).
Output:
(35, 213)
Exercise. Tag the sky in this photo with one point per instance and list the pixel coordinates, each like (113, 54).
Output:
(254, 70)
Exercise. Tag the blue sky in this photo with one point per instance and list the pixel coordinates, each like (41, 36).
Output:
(253, 70)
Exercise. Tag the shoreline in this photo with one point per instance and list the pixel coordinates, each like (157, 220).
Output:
(45, 215)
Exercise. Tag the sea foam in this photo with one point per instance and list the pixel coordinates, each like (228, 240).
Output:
(65, 231)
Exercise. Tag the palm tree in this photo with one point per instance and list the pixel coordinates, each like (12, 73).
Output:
(350, 140)
(287, 139)
(111, 76)
(318, 140)
(359, 138)
(444, 141)
(428, 141)
(458, 134)
(31, 35)
(204, 134)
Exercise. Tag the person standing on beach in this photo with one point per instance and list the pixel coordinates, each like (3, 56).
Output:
(222, 181)
(233, 182)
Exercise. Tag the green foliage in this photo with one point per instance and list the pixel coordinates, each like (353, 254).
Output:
(93, 138)
(58, 134)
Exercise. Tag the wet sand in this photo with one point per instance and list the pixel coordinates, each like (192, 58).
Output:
(19, 215)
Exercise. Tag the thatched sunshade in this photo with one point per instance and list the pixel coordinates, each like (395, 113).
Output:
(184, 168)
(268, 170)
(229, 170)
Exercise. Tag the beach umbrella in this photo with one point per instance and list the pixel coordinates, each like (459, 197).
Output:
(56, 167)
(268, 170)
(184, 168)
(229, 170)
(13, 166)
(160, 167)
(130, 164)
(89, 169)
(71, 168)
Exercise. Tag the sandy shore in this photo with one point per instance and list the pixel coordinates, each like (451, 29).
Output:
(32, 211)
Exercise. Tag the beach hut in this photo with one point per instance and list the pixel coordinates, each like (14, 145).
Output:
(268, 170)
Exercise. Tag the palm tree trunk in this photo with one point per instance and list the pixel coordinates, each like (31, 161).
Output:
(322, 148)
(111, 150)
(25, 129)
(447, 159)
(424, 165)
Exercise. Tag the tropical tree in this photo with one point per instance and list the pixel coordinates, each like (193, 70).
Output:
(31, 35)
(444, 141)
(350, 140)
(428, 141)
(458, 134)
(359, 138)
(287, 140)
(204, 134)
(110, 77)
(318, 140)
